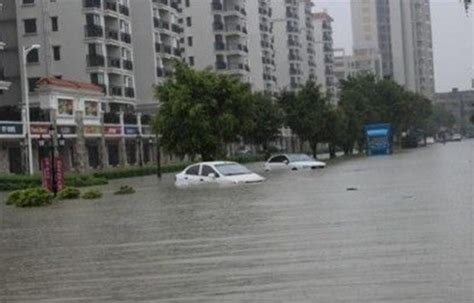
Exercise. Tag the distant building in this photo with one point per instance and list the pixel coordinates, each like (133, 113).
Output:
(325, 54)
(400, 31)
(460, 104)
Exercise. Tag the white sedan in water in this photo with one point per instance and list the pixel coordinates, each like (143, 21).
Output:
(293, 162)
(221, 173)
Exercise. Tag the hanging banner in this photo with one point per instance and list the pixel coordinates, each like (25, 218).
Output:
(46, 174)
(59, 173)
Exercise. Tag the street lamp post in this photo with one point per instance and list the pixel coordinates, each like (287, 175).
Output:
(139, 146)
(158, 156)
(25, 51)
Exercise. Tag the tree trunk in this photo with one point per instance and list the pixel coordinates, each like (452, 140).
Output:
(314, 149)
(266, 151)
(332, 151)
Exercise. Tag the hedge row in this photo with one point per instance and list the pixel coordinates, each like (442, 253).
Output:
(15, 182)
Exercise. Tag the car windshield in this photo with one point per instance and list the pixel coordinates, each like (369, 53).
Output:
(232, 169)
(300, 158)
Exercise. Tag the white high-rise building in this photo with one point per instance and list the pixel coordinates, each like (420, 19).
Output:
(233, 37)
(294, 42)
(158, 44)
(400, 31)
(325, 54)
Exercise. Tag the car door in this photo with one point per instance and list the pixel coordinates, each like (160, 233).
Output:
(278, 162)
(191, 175)
(206, 170)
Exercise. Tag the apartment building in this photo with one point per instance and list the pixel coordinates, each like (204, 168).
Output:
(216, 36)
(89, 41)
(233, 37)
(400, 31)
(288, 43)
(158, 43)
(308, 50)
(323, 36)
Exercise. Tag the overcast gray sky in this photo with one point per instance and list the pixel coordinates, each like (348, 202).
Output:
(453, 35)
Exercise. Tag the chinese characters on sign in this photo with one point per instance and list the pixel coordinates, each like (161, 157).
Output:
(59, 173)
(46, 176)
(11, 129)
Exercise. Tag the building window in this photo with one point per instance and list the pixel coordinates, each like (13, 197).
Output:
(28, 2)
(191, 61)
(30, 26)
(54, 24)
(32, 84)
(188, 21)
(187, 3)
(190, 41)
(57, 53)
(32, 56)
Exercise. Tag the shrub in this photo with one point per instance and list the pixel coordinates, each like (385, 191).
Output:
(92, 194)
(31, 197)
(125, 190)
(69, 193)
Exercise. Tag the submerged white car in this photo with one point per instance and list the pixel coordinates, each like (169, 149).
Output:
(293, 162)
(219, 173)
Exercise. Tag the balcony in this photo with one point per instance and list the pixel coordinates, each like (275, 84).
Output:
(129, 92)
(111, 6)
(126, 37)
(114, 62)
(92, 30)
(217, 6)
(114, 35)
(124, 10)
(115, 91)
(218, 26)
(221, 65)
(176, 28)
(95, 60)
(92, 4)
(127, 64)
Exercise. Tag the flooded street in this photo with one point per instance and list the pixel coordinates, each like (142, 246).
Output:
(404, 234)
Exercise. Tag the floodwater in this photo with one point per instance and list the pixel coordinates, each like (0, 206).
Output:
(403, 233)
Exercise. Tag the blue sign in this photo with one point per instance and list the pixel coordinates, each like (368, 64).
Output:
(131, 130)
(11, 129)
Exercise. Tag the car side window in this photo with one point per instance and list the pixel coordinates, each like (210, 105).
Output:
(278, 159)
(193, 170)
(206, 170)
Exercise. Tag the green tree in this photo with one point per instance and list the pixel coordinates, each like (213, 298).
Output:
(201, 111)
(267, 121)
(366, 99)
(306, 113)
